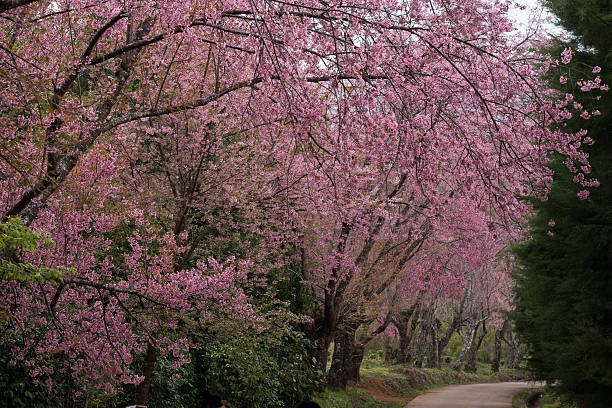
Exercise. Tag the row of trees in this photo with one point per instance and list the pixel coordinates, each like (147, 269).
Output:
(239, 167)
(417, 318)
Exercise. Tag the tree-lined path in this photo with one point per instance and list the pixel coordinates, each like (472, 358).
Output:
(471, 395)
(205, 199)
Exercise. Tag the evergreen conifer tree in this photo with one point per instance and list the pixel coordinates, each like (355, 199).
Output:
(564, 281)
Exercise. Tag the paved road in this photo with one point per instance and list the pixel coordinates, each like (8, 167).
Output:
(495, 395)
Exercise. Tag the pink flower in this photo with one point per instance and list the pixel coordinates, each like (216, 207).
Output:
(584, 194)
(563, 79)
(551, 223)
(566, 56)
(596, 69)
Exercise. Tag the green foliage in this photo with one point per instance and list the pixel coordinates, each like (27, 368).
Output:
(171, 387)
(16, 239)
(16, 387)
(550, 400)
(352, 398)
(588, 20)
(564, 284)
(453, 347)
(269, 369)
(547, 399)
(520, 399)
(374, 350)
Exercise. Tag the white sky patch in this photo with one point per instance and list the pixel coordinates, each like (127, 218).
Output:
(534, 17)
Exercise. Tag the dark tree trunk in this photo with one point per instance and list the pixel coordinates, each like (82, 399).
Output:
(145, 385)
(497, 352)
(407, 349)
(499, 335)
(420, 347)
(320, 352)
(406, 329)
(348, 351)
(443, 342)
(403, 347)
(345, 357)
(358, 351)
(321, 332)
(390, 352)
(471, 359)
(433, 361)
(323, 329)
(516, 354)
(516, 351)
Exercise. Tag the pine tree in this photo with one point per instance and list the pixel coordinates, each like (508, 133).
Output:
(564, 282)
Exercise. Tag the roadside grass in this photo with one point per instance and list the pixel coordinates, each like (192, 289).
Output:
(552, 401)
(520, 400)
(548, 400)
(352, 397)
(384, 385)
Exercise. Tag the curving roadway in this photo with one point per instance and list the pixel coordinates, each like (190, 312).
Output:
(494, 395)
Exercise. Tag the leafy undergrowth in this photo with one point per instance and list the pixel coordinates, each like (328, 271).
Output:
(523, 398)
(393, 386)
(548, 400)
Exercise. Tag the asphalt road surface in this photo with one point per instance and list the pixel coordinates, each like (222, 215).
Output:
(495, 395)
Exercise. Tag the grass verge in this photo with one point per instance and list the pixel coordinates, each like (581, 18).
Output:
(548, 400)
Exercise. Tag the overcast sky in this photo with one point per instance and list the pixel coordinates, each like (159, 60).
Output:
(534, 9)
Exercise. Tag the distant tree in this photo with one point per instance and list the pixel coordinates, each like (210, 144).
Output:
(564, 286)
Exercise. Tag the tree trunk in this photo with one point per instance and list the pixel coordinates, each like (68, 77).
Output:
(515, 351)
(402, 321)
(471, 359)
(390, 353)
(349, 348)
(358, 352)
(403, 346)
(433, 361)
(145, 385)
(443, 342)
(344, 358)
(419, 350)
(467, 339)
(413, 344)
(497, 352)
(320, 352)
(499, 335)
(321, 332)
(516, 354)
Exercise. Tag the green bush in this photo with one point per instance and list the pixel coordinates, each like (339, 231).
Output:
(16, 388)
(269, 369)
